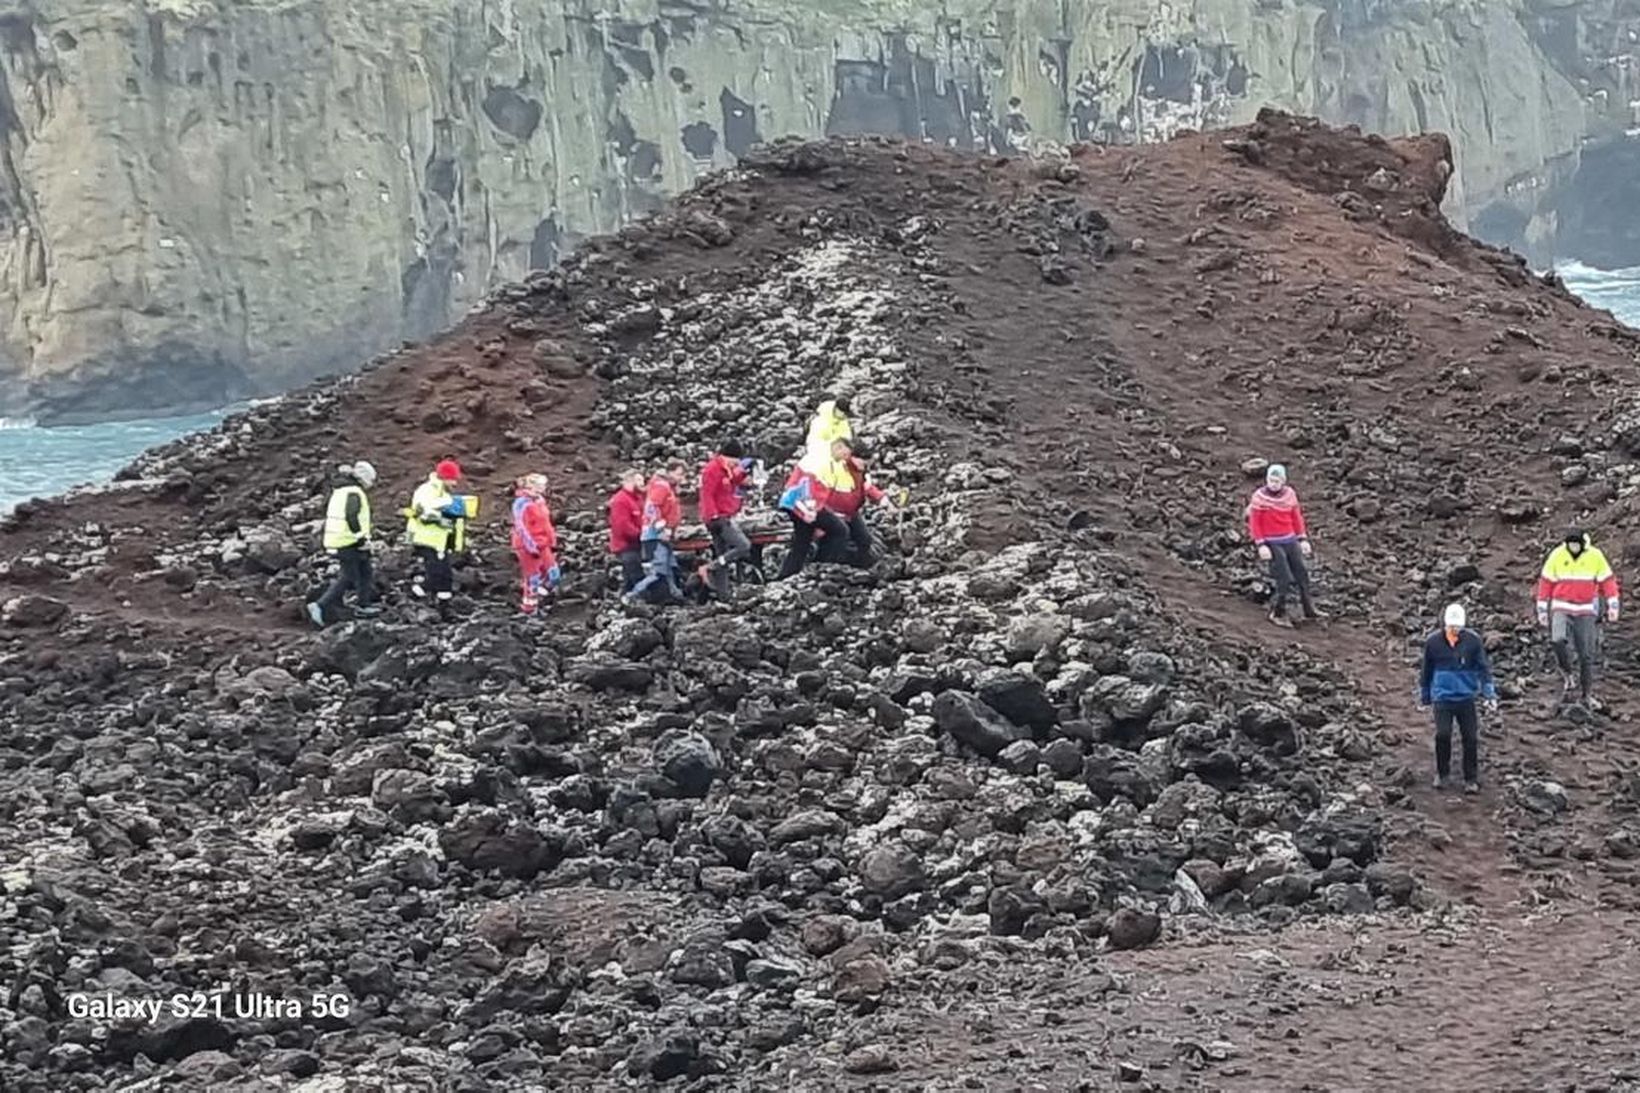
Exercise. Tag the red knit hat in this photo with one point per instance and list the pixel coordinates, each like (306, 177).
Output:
(448, 469)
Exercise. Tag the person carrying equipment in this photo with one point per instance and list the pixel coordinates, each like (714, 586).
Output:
(1576, 577)
(830, 422)
(720, 501)
(347, 535)
(849, 503)
(534, 541)
(661, 516)
(626, 527)
(437, 525)
(805, 501)
(1275, 521)
(1455, 673)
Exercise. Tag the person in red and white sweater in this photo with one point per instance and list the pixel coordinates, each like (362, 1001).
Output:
(1275, 522)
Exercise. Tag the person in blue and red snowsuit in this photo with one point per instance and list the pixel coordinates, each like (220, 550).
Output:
(534, 541)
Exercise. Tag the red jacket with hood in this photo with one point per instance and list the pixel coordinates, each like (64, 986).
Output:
(625, 520)
(720, 480)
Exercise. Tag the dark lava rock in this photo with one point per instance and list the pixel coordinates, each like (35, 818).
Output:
(26, 612)
(974, 724)
(487, 841)
(1020, 698)
(670, 1055)
(1131, 929)
(891, 871)
(689, 761)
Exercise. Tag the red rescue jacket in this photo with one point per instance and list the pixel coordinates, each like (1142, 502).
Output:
(846, 503)
(720, 480)
(625, 520)
(661, 509)
(533, 533)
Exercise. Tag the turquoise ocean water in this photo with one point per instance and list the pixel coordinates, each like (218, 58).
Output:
(37, 462)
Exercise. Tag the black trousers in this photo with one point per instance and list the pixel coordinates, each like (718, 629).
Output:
(1287, 569)
(797, 555)
(355, 574)
(1463, 715)
(729, 545)
(631, 568)
(437, 575)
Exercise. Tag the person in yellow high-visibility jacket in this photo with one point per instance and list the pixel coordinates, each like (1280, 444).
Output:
(347, 535)
(830, 423)
(1574, 585)
(437, 525)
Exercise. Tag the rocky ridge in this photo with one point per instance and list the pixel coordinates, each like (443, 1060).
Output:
(746, 845)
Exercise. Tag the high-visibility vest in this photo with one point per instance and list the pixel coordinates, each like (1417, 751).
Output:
(337, 534)
(432, 496)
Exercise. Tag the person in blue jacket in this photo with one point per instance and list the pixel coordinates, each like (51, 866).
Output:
(1455, 674)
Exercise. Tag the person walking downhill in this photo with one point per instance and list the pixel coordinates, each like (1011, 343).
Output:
(1275, 521)
(1455, 674)
(534, 541)
(626, 528)
(1576, 578)
(720, 483)
(347, 535)
(661, 516)
(436, 522)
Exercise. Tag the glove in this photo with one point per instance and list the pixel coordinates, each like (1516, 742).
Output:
(1543, 614)
(1491, 705)
(1611, 613)
(1423, 702)
(554, 575)
(1263, 553)
(1304, 547)
(747, 463)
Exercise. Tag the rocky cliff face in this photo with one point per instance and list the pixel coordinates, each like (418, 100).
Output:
(204, 199)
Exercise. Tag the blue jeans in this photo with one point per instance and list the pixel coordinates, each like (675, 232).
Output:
(662, 565)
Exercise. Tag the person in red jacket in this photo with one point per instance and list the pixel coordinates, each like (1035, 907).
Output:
(534, 541)
(626, 527)
(1275, 521)
(805, 501)
(720, 482)
(849, 503)
(662, 513)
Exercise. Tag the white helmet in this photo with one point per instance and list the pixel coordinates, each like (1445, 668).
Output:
(364, 472)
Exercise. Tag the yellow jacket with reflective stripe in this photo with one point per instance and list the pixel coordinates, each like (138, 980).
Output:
(337, 534)
(422, 518)
(828, 425)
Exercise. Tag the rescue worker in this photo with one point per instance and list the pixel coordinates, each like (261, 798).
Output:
(849, 502)
(347, 535)
(661, 516)
(534, 541)
(1275, 521)
(1576, 578)
(720, 501)
(805, 501)
(830, 422)
(626, 527)
(1455, 674)
(437, 524)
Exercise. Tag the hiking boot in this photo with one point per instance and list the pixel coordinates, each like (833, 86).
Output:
(1279, 618)
(1593, 704)
(368, 612)
(418, 590)
(317, 614)
(1568, 683)
(1441, 782)
(1471, 788)
(1313, 614)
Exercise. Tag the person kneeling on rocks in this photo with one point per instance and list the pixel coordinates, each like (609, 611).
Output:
(437, 524)
(534, 541)
(1275, 520)
(720, 483)
(849, 503)
(661, 516)
(626, 528)
(1456, 673)
(805, 500)
(347, 535)
(1575, 579)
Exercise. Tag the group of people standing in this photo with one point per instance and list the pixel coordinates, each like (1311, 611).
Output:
(1575, 590)
(824, 499)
